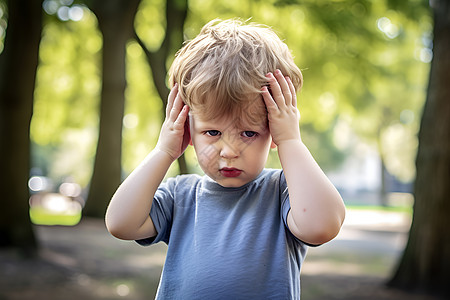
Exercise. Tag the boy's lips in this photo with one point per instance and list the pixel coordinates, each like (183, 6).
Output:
(230, 172)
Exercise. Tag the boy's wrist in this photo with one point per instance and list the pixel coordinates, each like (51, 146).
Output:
(290, 142)
(163, 155)
(285, 134)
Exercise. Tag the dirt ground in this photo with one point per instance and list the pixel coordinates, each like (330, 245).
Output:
(84, 262)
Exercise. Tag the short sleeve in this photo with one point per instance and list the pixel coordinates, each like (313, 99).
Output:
(284, 198)
(161, 213)
(286, 207)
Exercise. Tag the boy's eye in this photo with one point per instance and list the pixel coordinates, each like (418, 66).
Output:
(212, 132)
(249, 134)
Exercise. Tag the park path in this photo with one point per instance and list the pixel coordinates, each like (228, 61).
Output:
(85, 262)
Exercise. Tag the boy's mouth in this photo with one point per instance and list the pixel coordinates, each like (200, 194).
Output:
(230, 172)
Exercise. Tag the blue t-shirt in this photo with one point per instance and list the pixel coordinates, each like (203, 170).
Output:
(226, 243)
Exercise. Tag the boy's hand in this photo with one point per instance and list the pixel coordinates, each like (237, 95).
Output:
(174, 136)
(281, 106)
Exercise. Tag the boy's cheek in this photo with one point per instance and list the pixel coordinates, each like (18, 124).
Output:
(206, 156)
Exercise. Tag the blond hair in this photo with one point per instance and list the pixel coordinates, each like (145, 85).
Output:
(224, 67)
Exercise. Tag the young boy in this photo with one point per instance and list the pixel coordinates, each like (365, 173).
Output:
(240, 231)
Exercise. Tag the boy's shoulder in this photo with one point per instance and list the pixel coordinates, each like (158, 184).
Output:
(270, 175)
(271, 172)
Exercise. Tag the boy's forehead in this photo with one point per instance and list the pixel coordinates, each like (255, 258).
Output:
(246, 112)
(246, 119)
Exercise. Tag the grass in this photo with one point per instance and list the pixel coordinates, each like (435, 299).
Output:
(402, 209)
(41, 216)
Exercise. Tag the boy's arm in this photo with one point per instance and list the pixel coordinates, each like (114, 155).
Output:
(317, 210)
(127, 216)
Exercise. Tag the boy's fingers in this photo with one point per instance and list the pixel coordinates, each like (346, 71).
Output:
(284, 86)
(170, 100)
(268, 100)
(280, 88)
(292, 89)
(275, 88)
(176, 108)
(182, 117)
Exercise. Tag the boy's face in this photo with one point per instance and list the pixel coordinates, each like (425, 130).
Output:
(231, 155)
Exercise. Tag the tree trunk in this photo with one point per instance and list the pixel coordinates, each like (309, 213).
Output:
(425, 265)
(18, 64)
(176, 12)
(116, 21)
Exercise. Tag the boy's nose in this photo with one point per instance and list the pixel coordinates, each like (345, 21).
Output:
(229, 150)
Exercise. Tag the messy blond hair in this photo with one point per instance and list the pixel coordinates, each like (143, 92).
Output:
(224, 67)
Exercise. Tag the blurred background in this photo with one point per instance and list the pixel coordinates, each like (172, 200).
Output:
(83, 88)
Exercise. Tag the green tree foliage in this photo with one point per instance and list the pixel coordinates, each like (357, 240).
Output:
(365, 65)
(158, 56)
(65, 123)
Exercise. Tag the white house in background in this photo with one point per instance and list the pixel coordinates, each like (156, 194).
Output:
(360, 172)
